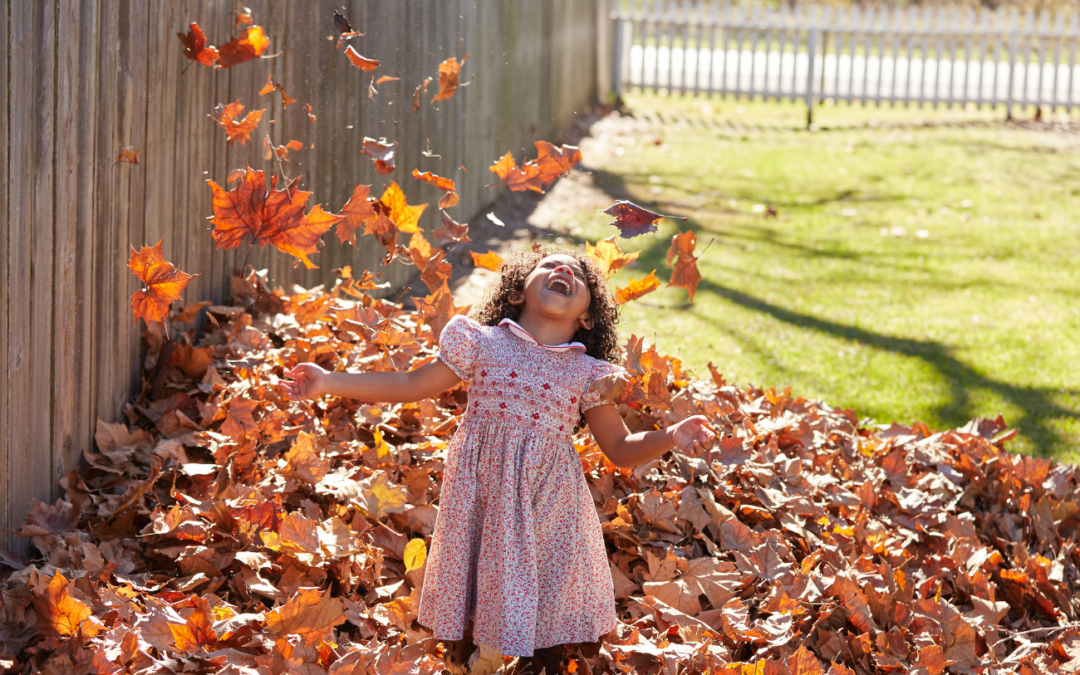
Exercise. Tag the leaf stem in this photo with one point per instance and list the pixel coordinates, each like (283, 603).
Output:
(243, 268)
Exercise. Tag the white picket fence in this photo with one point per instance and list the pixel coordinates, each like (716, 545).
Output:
(925, 55)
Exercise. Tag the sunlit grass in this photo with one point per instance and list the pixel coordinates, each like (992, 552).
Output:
(913, 273)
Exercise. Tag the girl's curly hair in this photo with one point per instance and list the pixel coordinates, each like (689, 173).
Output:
(601, 341)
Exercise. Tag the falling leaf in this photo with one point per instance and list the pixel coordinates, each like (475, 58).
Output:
(449, 70)
(195, 47)
(356, 213)
(405, 217)
(685, 273)
(371, 90)
(416, 94)
(248, 46)
(270, 86)
(309, 613)
(495, 219)
(341, 24)
(307, 106)
(489, 261)
(637, 288)
(448, 200)
(383, 153)
(444, 184)
(237, 129)
(260, 214)
(554, 162)
(518, 179)
(632, 220)
(243, 18)
(360, 62)
(450, 231)
(163, 283)
(129, 154)
(386, 78)
(609, 256)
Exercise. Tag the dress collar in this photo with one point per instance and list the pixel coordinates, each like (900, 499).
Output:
(524, 335)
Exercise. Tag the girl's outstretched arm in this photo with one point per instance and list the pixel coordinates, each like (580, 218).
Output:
(624, 449)
(311, 381)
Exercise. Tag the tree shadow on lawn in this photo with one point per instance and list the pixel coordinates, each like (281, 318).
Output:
(1037, 403)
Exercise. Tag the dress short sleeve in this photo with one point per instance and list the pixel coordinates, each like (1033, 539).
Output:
(591, 399)
(459, 344)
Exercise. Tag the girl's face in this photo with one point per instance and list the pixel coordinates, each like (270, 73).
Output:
(557, 288)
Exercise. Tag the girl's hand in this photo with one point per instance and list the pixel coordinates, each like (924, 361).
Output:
(692, 435)
(309, 381)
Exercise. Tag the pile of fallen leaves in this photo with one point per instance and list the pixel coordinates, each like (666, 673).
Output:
(227, 529)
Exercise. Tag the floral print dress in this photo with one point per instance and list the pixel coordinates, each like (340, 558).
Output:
(517, 545)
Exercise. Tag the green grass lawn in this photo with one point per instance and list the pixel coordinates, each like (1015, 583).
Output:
(914, 273)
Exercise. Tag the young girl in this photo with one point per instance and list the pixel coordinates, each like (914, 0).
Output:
(517, 546)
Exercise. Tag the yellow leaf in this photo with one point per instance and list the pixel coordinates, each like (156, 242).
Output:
(382, 497)
(382, 449)
(58, 612)
(415, 555)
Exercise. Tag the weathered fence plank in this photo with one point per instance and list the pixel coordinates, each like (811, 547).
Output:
(111, 73)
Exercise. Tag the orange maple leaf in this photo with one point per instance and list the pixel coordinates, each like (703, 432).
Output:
(444, 184)
(489, 261)
(518, 180)
(637, 288)
(356, 213)
(237, 129)
(361, 62)
(196, 631)
(449, 71)
(58, 612)
(265, 215)
(608, 254)
(129, 154)
(195, 47)
(309, 613)
(383, 153)
(246, 47)
(405, 217)
(438, 308)
(555, 161)
(164, 283)
(386, 78)
(685, 273)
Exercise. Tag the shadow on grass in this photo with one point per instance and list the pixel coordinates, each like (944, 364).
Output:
(1036, 403)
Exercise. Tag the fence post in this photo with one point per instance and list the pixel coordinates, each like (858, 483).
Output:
(1013, 38)
(811, 48)
(617, 54)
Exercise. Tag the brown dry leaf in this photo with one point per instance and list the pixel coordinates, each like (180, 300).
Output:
(685, 274)
(163, 283)
(450, 231)
(309, 613)
(129, 155)
(382, 152)
(195, 47)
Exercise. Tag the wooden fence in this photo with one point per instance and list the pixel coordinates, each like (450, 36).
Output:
(927, 55)
(86, 79)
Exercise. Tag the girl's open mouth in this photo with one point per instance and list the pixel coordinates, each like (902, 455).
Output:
(559, 285)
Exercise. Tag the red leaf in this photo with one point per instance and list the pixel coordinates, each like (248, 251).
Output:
(265, 215)
(195, 47)
(237, 129)
(248, 46)
(632, 220)
(361, 62)
(164, 283)
(685, 274)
